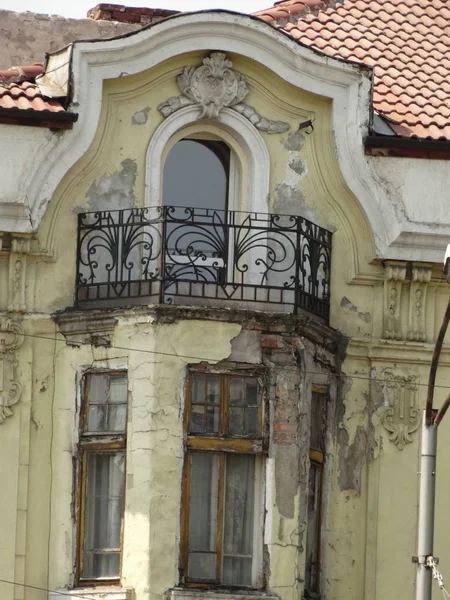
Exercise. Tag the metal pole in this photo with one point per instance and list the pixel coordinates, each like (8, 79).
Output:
(426, 509)
(434, 364)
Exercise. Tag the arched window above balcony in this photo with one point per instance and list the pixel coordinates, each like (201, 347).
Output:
(249, 169)
(205, 236)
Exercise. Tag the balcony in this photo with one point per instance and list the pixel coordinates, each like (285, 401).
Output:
(203, 257)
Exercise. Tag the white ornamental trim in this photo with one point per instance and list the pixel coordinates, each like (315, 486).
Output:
(213, 86)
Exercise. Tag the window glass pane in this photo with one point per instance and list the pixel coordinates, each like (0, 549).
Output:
(197, 419)
(205, 410)
(103, 515)
(118, 389)
(313, 530)
(196, 174)
(203, 501)
(212, 419)
(239, 517)
(98, 389)
(317, 420)
(251, 421)
(236, 392)
(107, 398)
(198, 389)
(117, 417)
(236, 421)
(97, 417)
(251, 393)
(213, 396)
(244, 393)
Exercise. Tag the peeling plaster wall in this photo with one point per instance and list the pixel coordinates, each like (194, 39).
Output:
(417, 188)
(155, 442)
(371, 482)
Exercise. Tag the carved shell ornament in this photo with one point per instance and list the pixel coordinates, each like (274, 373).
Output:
(214, 86)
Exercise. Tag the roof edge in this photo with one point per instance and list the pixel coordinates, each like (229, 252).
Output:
(407, 147)
(38, 118)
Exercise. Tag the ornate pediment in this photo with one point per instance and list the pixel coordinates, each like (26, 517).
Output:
(213, 86)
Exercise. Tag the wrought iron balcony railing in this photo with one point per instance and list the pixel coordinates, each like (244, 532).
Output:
(203, 257)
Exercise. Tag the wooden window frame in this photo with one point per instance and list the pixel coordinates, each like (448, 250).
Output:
(221, 444)
(95, 443)
(317, 458)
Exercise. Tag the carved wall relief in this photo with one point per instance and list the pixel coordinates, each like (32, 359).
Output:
(395, 273)
(11, 339)
(402, 417)
(20, 247)
(213, 86)
(420, 278)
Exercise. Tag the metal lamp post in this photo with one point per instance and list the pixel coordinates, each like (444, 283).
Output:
(425, 559)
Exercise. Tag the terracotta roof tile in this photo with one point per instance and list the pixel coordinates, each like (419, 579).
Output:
(25, 95)
(407, 42)
(22, 103)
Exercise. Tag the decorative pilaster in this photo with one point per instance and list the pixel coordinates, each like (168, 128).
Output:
(420, 278)
(395, 273)
(402, 417)
(11, 339)
(20, 248)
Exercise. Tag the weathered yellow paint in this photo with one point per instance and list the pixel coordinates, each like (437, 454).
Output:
(372, 485)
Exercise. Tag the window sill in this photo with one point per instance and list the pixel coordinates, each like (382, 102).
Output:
(93, 593)
(180, 593)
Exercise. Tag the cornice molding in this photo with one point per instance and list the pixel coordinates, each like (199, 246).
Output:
(395, 352)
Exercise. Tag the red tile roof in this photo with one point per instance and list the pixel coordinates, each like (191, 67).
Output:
(21, 101)
(26, 96)
(407, 42)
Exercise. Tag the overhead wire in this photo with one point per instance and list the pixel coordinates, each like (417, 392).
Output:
(79, 344)
(70, 594)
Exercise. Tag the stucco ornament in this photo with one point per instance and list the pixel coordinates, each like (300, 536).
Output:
(402, 417)
(213, 86)
(11, 338)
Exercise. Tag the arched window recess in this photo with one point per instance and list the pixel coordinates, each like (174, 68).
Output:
(212, 178)
(205, 236)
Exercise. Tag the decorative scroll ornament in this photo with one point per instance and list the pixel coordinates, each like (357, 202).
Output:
(11, 338)
(402, 417)
(420, 279)
(395, 273)
(214, 86)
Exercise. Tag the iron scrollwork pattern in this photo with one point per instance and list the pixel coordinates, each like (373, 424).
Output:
(170, 254)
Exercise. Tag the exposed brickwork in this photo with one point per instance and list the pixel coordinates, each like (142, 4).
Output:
(269, 341)
(129, 14)
(27, 37)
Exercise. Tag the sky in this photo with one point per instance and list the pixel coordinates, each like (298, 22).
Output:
(78, 8)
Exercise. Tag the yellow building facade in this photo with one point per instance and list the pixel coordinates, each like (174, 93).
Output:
(206, 401)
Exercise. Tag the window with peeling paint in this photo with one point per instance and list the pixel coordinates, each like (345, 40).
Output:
(315, 492)
(221, 527)
(102, 437)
